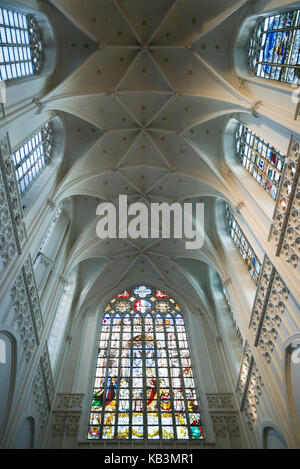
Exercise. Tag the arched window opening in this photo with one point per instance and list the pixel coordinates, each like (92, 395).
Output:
(260, 158)
(274, 48)
(20, 45)
(50, 229)
(247, 253)
(233, 316)
(32, 157)
(144, 386)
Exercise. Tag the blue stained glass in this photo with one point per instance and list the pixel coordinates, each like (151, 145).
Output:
(274, 47)
(142, 291)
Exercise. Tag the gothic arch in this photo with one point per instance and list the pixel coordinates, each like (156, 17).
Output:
(241, 45)
(292, 377)
(24, 89)
(272, 437)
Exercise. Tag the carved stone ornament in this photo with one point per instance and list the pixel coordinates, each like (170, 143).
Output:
(26, 304)
(285, 231)
(269, 307)
(12, 228)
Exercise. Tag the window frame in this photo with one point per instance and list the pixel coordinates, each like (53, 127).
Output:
(21, 50)
(255, 45)
(25, 164)
(145, 437)
(244, 244)
(245, 158)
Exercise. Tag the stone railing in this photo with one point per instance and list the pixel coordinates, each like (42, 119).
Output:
(270, 305)
(249, 387)
(43, 391)
(285, 230)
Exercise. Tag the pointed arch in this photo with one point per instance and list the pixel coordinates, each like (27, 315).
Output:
(144, 386)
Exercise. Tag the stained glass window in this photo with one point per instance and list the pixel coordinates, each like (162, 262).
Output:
(247, 253)
(20, 45)
(274, 48)
(31, 157)
(144, 386)
(260, 158)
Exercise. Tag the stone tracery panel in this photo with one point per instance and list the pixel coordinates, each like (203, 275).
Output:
(12, 227)
(285, 232)
(269, 307)
(249, 388)
(27, 311)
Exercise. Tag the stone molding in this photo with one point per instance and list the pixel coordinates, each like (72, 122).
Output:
(269, 307)
(285, 231)
(249, 387)
(26, 304)
(12, 227)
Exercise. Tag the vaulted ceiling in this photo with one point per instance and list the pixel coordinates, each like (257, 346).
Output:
(148, 86)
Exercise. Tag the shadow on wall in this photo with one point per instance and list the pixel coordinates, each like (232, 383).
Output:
(272, 439)
(25, 435)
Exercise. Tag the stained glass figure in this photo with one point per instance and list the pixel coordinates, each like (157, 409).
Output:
(247, 253)
(144, 386)
(260, 158)
(20, 45)
(274, 47)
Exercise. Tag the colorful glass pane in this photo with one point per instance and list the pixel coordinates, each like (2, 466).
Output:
(274, 47)
(124, 294)
(142, 306)
(248, 255)
(260, 158)
(144, 386)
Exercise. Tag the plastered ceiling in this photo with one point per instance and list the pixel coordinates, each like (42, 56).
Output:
(156, 93)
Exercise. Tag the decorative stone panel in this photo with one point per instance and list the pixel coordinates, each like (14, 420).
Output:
(249, 388)
(223, 401)
(224, 415)
(66, 415)
(285, 231)
(47, 375)
(12, 228)
(27, 308)
(269, 307)
(43, 390)
(69, 402)
(40, 398)
(226, 424)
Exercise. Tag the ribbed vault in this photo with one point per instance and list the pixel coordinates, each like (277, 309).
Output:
(156, 94)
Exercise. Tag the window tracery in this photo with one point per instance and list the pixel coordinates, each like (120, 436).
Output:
(144, 386)
(20, 45)
(274, 47)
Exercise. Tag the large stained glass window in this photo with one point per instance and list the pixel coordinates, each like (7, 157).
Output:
(144, 386)
(20, 45)
(274, 48)
(31, 157)
(262, 160)
(247, 253)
